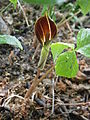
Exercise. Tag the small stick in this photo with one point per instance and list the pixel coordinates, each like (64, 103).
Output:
(44, 76)
(52, 96)
(36, 51)
(59, 102)
(75, 104)
(23, 13)
(6, 102)
(5, 8)
(60, 24)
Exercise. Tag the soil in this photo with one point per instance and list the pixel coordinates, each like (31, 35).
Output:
(18, 69)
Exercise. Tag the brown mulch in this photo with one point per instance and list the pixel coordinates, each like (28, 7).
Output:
(17, 70)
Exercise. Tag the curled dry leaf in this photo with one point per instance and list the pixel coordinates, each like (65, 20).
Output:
(61, 86)
(45, 29)
(83, 64)
(81, 76)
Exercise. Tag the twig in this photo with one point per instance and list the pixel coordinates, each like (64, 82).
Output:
(52, 96)
(5, 8)
(75, 104)
(60, 24)
(59, 102)
(36, 51)
(6, 102)
(44, 76)
(23, 13)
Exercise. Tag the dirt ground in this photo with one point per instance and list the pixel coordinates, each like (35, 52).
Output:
(18, 69)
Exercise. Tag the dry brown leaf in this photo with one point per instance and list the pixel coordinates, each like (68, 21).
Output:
(61, 86)
(82, 64)
(81, 76)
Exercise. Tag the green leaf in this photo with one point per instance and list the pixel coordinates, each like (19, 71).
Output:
(49, 2)
(85, 5)
(14, 2)
(83, 42)
(57, 48)
(66, 64)
(11, 40)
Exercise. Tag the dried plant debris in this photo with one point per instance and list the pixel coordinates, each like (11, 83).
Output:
(18, 69)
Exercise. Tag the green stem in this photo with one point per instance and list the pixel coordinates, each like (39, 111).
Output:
(43, 56)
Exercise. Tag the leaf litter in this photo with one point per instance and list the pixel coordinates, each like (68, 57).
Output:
(17, 70)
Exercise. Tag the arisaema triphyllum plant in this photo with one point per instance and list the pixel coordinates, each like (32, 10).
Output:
(45, 30)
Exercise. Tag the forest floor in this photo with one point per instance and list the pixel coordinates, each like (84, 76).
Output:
(18, 69)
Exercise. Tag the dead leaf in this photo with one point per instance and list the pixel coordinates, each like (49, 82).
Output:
(81, 76)
(61, 86)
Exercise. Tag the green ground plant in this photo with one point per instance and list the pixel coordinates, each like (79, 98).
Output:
(64, 54)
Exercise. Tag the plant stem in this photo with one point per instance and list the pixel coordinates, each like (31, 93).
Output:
(43, 56)
(5, 8)
(33, 86)
(23, 13)
(60, 24)
(36, 82)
